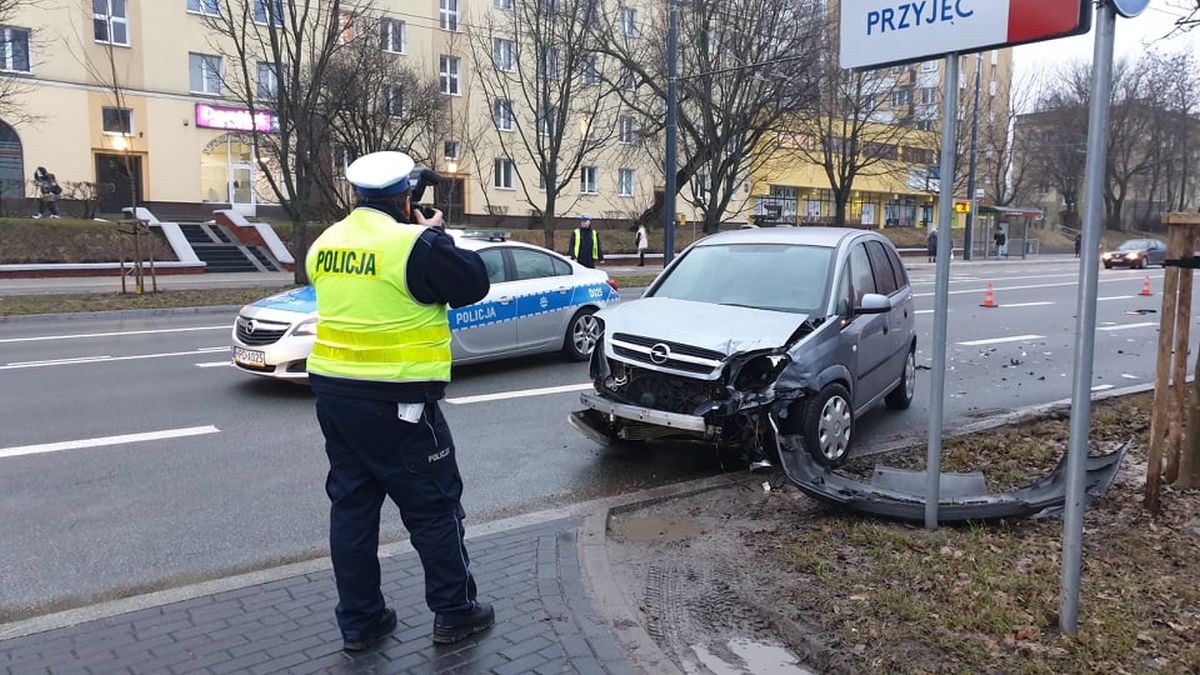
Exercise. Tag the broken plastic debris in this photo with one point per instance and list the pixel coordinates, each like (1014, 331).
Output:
(1128, 376)
(766, 486)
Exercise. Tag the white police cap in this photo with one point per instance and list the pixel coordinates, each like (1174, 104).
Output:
(381, 173)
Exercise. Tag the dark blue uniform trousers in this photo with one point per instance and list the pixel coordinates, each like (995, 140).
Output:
(373, 454)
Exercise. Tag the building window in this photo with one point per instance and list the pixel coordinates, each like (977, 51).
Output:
(626, 129)
(992, 88)
(925, 125)
(588, 183)
(205, 7)
(110, 21)
(504, 54)
(625, 182)
(928, 95)
(393, 101)
(268, 9)
(502, 114)
(117, 121)
(505, 174)
(503, 4)
(629, 27)
(626, 81)
(591, 70)
(542, 173)
(14, 57)
(929, 66)
(451, 150)
(449, 68)
(204, 72)
(548, 63)
(448, 14)
(392, 35)
(268, 82)
(901, 97)
(547, 121)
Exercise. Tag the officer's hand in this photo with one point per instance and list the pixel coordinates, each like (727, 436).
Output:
(435, 221)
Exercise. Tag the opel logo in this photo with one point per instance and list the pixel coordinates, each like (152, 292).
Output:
(251, 326)
(659, 354)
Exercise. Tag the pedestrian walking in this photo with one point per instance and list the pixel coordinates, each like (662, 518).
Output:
(383, 277)
(1001, 241)
(931, 244)
(48, 191)
(585, 243)
(1078, 242)
(643, 243)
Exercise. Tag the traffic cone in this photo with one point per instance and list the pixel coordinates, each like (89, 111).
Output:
(989, 297)
(1146, 287)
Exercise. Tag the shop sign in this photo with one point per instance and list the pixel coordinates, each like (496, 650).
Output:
(210, 116)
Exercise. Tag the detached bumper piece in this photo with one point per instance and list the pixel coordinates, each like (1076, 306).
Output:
(644, 415)
(900, 494)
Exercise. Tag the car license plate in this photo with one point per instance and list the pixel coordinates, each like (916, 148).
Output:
(249, 357)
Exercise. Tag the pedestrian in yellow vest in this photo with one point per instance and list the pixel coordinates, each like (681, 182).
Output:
(383, 277)
(585, 243)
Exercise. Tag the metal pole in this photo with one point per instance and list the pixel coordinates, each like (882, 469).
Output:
(969, 237)
(937, 388)
(1085, 325)
(672, 131)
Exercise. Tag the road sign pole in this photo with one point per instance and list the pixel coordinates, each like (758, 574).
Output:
(969, 235)
(937, 388)
(669, 164)
(1085, 326)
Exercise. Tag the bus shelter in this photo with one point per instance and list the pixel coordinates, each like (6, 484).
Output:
(1013, 221)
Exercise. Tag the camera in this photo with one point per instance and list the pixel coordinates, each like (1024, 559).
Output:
(421, 179)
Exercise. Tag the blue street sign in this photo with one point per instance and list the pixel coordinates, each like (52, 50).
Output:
(1130, 8)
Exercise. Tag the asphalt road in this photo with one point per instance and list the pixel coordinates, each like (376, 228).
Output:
(232, 476)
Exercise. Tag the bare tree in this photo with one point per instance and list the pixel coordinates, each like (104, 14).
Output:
(371, 100)
(1006, 172)
(746, 72)
(276, 56)
(16, 45)
(540, 75)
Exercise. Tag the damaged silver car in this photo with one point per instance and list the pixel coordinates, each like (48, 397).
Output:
(757, 339)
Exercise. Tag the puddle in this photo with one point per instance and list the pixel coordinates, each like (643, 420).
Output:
(751, 656)
(656, 529)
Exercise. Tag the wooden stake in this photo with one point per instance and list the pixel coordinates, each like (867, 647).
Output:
(1184, 239)
(1162, 392)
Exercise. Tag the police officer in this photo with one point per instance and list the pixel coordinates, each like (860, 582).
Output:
(585, 243)
(380, 363)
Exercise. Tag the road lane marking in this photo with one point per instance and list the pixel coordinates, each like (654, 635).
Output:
(1000, 340)
(1104, 387)
(925, 311)
(1027, 304)
(1026, 287)
(18, 365)
(78, 336)
(20, 450)
(214, 364)
(1116, 297)
(1000, 277)
(520, 393)
(1128, 326)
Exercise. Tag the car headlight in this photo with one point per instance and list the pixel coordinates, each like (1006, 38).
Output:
(760, 372)
(1107, 256)
(1132, 256)
(306, 327)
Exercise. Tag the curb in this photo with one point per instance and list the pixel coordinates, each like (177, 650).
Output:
(78, 615)
(122, 314)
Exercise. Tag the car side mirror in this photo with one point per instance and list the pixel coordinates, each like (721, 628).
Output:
(873, 303)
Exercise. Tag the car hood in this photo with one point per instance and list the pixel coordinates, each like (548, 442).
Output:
(302, 300)
(721, 328)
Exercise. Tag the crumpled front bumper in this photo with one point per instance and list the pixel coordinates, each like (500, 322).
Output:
(644, 415)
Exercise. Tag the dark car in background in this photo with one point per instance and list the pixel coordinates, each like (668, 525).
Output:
(1136, 253)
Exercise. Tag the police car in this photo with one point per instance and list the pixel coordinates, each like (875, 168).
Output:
(539, 302)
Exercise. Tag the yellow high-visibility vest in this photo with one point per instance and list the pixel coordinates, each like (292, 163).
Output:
(369, 325)
(579, 240)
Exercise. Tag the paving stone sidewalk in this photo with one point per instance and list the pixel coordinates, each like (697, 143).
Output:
(544, 624)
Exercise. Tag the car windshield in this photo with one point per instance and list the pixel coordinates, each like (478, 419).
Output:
(777, 277)
(1133, 245)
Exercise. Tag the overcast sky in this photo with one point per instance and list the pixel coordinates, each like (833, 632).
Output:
(1133, 36)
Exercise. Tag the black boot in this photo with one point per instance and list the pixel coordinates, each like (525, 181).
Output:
(451, 628)
(382, 629)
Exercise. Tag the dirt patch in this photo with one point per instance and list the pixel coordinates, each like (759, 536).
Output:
(26, 241)
(844, 593)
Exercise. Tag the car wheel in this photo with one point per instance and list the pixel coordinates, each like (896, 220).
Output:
(1141, 263)
(901, 397)
(828, 422)
(582, 335)
(1107, 266)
